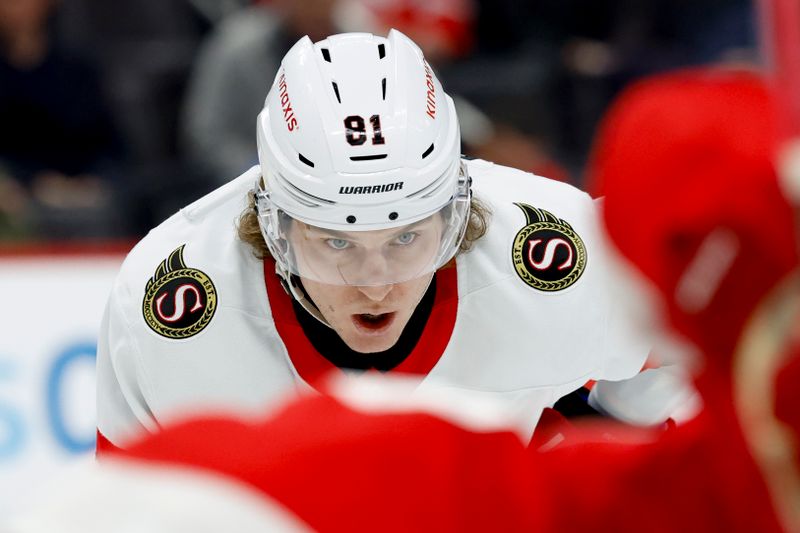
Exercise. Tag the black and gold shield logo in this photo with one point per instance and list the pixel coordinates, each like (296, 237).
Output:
(548, 255)
(178, 301)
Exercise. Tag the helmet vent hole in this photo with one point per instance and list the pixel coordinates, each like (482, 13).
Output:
(428, 151)
(381, 51)
(336, 90)
(326, 54)
(383, 87)
(305, 160)
(351, 219)
(393, 215)
(368, 157)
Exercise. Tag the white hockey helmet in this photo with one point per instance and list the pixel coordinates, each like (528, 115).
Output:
(359, 147)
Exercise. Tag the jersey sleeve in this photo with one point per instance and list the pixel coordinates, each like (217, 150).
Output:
(629, 316)
(122, 411)
(625, 391)
(649, 398)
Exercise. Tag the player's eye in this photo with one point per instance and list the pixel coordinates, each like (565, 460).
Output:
(406, 238)
(338, 244)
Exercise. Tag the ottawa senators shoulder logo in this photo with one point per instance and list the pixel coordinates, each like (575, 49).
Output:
(178, 301)
(548, 255)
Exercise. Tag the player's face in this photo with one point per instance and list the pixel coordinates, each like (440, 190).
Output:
(368, 318)
(366, 258)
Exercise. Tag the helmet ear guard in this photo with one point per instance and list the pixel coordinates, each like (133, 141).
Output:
(265, 211)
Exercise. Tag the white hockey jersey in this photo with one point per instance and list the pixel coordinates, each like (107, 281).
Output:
(196, 324)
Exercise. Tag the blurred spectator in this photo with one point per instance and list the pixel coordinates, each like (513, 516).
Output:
(445, 30)
(543, 75)
(550, 68)
(144, 50)
(442, 28)
(232, 75)
(614, 42)
(216, 10)
(57, 140)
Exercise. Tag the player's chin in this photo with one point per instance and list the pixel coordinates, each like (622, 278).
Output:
(373, 345)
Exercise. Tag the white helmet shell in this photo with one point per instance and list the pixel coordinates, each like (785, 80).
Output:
(357, 134)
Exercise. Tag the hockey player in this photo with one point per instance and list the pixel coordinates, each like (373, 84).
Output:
(368, 457)
(362, 241)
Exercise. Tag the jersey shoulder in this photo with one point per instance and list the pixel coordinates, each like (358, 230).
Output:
(542, 233)
(200, 242)
(246, 31)
(500, 182)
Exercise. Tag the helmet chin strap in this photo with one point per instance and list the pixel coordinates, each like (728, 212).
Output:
(296, 291)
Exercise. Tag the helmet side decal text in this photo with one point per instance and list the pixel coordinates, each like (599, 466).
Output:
(431, 95)
(286, 105)
(179, 301)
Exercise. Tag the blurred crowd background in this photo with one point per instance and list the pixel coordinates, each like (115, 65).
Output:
(116, 113)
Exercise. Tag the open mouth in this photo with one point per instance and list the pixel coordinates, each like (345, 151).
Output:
(373, 324)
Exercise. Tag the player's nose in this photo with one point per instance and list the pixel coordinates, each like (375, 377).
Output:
(376, 293)
(372, 270)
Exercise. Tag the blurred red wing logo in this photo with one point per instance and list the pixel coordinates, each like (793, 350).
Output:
(179, 301)
(547, 253)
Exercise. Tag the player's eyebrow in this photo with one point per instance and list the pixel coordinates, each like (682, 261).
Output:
(349, 235)
(413, 225)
